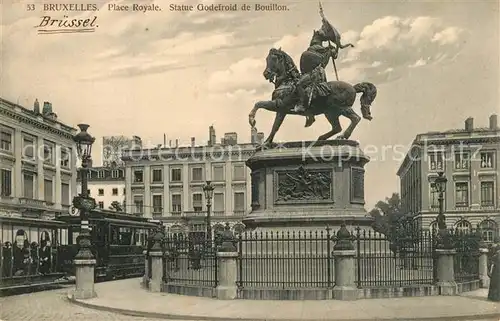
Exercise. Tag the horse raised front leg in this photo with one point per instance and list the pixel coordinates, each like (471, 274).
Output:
(354, 118)
(266, 104)
(278, 120)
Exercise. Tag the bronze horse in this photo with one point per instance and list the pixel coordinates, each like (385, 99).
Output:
(282, 71)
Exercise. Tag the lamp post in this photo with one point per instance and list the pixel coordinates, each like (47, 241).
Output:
(439, 183)
(208, 189)
(83, 201)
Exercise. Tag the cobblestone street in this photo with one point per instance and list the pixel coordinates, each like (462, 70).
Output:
(53, 306)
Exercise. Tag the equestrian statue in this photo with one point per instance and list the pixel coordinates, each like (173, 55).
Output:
(308, 93)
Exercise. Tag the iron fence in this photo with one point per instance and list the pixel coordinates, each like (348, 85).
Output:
(400, 261)
(466, 259)
(285, 259)
(190, 261)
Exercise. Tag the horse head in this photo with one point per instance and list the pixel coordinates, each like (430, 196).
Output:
(274, 65)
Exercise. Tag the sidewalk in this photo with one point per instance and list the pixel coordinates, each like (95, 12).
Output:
(127, 297)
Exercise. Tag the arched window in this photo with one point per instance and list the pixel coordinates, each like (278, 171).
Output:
(489, 230)
(238, 228)
(463, 226)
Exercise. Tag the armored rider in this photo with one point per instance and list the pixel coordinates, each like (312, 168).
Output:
(313, 82)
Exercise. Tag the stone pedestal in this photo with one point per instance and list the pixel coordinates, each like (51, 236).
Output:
(84, 279)
(156, 280)
(145, 277)
(227, 275)
(345, 286)
(307, 186)
(446, 272)
(483, 268)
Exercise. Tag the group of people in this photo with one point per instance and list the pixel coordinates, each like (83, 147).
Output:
(23, 258)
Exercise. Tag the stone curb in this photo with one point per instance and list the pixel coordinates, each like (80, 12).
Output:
(167, 316)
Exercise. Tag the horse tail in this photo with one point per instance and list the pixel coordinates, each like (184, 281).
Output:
(369, 92)
(346, 45)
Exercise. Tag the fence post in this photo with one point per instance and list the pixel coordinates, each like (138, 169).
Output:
(227, 255)
(483, 267)
(145, 277)
(446, 271)
(156, 254)
(344, 253)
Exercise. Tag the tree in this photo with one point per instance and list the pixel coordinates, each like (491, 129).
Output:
(387, 214)
(116, 206)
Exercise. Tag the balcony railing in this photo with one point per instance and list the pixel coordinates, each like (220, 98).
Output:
(31, 202)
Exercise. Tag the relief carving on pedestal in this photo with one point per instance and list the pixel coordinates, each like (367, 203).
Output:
(357, 185)
(303, 185)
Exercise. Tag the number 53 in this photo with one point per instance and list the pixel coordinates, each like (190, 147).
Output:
(30, 7)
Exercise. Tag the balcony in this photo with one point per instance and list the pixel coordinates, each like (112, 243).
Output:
(194, 214)
(32, 203)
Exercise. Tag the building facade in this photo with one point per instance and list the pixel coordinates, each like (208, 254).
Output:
(167, 183)
(469, 158)
(107, 186)
(37, 161)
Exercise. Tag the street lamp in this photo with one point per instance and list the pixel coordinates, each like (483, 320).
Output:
(83, 201)
(208, 189)
(439, 184)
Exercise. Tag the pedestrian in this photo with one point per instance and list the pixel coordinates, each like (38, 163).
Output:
(494, 274)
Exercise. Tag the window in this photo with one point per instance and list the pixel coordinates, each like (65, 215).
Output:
(115, 191)
(48, 190)
(101, 204)
(29, 147)
(219, 202)
(463, 226)
(487, 194)
(239, 201)
(138, 176)
(100, 174)
(197, 202)
(6, 139)
(488, 230)
(48, 152)
(28, 185)
(138, 204)
(176, 203)
(115, 173)
(157, 204)
(65, 194)
(197, 174)
(461, 194)
(100, 192)
(436, 161)
(434, 197)
(487, 160)
(176, 175)
(462, 161)
(239, 173)
(124, 191)
(218, 174)
(157, 175)
(5, 182)
(65, 157)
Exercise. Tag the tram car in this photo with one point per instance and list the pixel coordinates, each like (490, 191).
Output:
(29, 251)
(118, 242)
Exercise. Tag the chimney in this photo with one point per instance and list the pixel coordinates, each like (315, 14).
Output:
(170, 143)
(176, 143)
(36, 106)
(192, 141)
(164, 140)
(253, 135)
(494, 122)
(260, 137)
(212, 139)
(469, 124)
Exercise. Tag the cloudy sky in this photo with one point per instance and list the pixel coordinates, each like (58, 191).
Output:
(435, 63)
